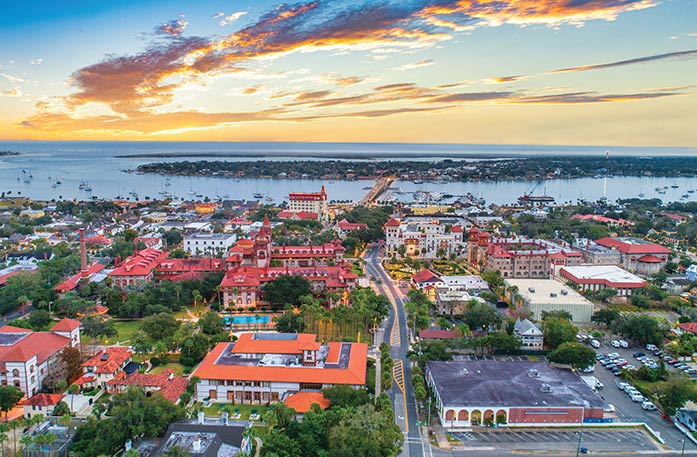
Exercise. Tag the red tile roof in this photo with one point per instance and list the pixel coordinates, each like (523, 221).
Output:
(141, 263)
(84, 379)
(354, 374)
(302, 401)
(174, 388)
(143, 379)
(98, 240)
(117, 356)
(457, 229)
(39, 344)
(178, 266)
(633, 248)
(302, 215)
(345, 225)
(424, 276)
(689, 327)
(43, 400)
(438, 334)
(72, 282)
(649, 259)
(247, 344)
(392, 223)
(66, 325)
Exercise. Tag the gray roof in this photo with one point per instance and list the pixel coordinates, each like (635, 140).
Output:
(525, 327)
(489, 383)
(216, 440)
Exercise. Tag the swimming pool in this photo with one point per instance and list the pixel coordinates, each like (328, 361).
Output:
(247, 319)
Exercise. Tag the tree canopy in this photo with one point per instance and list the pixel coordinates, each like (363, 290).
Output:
(575, 354)
(286, 289)
(557, 331)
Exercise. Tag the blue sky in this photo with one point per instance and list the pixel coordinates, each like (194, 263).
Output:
(416, 71)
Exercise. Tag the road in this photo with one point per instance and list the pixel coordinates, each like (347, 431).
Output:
(397, 336)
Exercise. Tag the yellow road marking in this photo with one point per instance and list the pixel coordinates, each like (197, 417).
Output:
(398, 375)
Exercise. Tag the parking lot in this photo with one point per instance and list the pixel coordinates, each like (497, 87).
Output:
(629, 411)
(562, 440)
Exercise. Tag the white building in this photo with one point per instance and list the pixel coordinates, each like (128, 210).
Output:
(538, 295)
(27, 357)
(309, 202)
(598, 277)
(531, 337)
(425, 237)
(262, 368)
(208, 243)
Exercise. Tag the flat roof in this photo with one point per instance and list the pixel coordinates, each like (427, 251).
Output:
(490, 383)
(607, 273)
(539, 291)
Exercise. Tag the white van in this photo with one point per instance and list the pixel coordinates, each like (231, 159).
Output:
(638, 398)
(624, 344)
(651, 347)
(615, 343)
(595, 343)
(648, 406)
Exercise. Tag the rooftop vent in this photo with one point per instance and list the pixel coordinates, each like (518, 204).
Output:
(552, 294)
(533, 373)
(564, 292)
(546, 388)
(531, 289)
(465, 371)
(104, 357)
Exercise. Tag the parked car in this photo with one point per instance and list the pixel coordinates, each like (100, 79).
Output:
(613, 355)
(615, 343)
(658, 353)
(595, 343)
(611, 366)
(651, 347)
(624, 344)
(638, 354)
(622, 363)
(617, 371)
(589, 369)
(622, 384)
(599, 356)
(638, 398)
(648, 406)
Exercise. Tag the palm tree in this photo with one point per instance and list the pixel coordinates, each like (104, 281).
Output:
(3, 439)
(26, 441)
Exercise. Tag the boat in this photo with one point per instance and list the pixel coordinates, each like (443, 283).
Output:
(87, 188)
(199, 195)
(226, 195)
(269, 199)
(27, 180)
(258, 195)
(418, 181)
(674, 186)
(535, 199)
(685, 196)
(690, 191)
(54, 185)
(641, 194)
(133, 193)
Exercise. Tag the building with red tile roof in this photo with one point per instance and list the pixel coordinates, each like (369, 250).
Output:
(438, 334)
(97, 242)
(107, 364)
(603, 220)
(519, 257)
(72, 282)
(298, 215)
(26, 357)
(637, 255)
(690, 327)
(149, 241)
(41, 404)
(344, 227)
(309, 202)
(302, 401)
(261, 368)
(166, 383)
(138, 268)
(598, 277)
(425, 278)
(248, 267)
(426, 237)
(173, 267)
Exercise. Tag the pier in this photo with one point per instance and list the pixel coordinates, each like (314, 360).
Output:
(380, 186)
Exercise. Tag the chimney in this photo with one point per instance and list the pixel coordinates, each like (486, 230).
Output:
(83, 255)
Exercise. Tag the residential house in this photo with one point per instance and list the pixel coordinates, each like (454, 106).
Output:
(531, 337)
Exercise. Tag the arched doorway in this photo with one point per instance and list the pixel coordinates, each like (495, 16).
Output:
(449, 415)
(501, 417)
(476, 417)
(488, 417)
(463, 415)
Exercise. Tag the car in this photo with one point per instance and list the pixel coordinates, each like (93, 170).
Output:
(691, 371)
(615, 343)
(658, 353)
(617, 371)
(653, 366)
(679, 365)
(687, 368)
(638, 398)
(613, 355)
(622, 363)
(589, 369)
(667, 358)
(630, 367)
(672, 361)
(648, 406)
(604, 362)
(638, 354)
(611, 366)
(595, 343)
(610, 408)
(599, 356)
(622, 384)
(624, 344)
(650, 347)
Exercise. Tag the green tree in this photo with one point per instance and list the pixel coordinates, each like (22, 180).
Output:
(289, 322)
(176, 451)
(480, 316)
(641, 328)
(674, 394)
(159, 326)
(193, 349)
(286, 289)
(367, 432)
(9, 397)
(39, 319)
(557, 313)
(98, 327)
(343, 396)
(61, 409)
(173, 238)
(606, 294)
(558, 331)
(575, 354)
(211, 323)
(605, 316)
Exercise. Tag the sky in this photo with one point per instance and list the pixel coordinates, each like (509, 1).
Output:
(566, 72)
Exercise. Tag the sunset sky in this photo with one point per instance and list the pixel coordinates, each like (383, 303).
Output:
(576, 72)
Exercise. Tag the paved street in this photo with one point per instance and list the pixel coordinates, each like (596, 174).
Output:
(396, 335)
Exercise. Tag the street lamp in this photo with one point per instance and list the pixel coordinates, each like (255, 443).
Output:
(682, 453)
(578, 447)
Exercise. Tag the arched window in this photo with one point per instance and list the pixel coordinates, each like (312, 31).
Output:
(31, 369)
(15, 372)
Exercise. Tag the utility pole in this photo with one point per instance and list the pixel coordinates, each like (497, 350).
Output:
(580, 437)
(682, 453)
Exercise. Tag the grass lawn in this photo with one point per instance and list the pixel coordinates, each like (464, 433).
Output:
(177, 368)
(125, 330)
(245, 410)
(370, 376)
